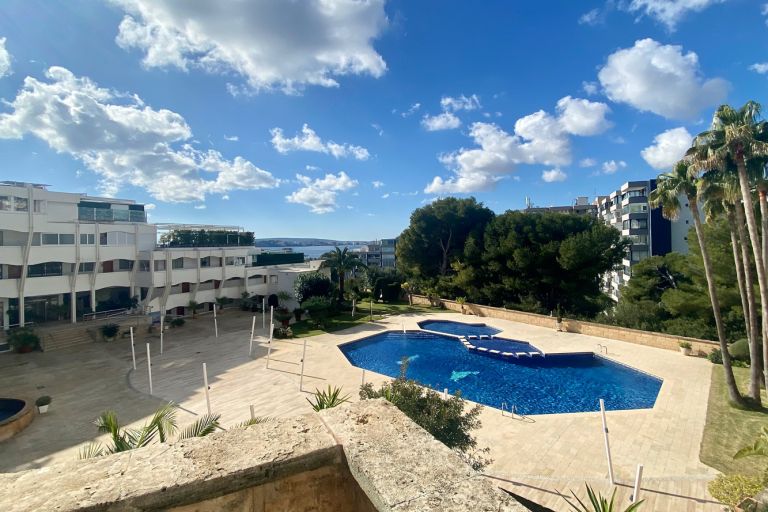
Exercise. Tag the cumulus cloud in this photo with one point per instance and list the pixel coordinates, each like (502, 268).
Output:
(539, 138)
(553, 175)
(587, 162)
(451, 104)
(668, 147)
(661, 79)
(5, 59)
(759, 67)
(311, 141)
(320, 194)
(124, 141)
(611, 166)
(669, 12)
(271, 44)
(444, 121)
(590, 88)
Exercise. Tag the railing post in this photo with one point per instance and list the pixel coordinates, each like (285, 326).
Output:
(205, 383)
(133, 350)
(638, 479)
(149, 369)
(607, 443)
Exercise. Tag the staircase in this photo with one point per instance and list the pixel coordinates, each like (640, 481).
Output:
(60, 338)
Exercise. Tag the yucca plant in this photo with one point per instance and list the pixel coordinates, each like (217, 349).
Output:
(161, 426)
(599, 503)
(327, 399)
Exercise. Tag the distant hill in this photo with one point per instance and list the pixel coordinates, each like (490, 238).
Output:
(302, 242)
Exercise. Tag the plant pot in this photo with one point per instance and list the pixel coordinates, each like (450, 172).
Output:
(685, 351)
(42, 409)
(559, 326)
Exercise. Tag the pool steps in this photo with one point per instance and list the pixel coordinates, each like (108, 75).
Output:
(517, 355)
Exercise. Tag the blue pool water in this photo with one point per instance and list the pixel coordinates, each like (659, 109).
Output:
(540, 385)
(458, 328)
(503, 345)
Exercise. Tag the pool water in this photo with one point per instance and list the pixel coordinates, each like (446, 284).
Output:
(557, 383)
(10, 407)
(503, 345)
(458, 328)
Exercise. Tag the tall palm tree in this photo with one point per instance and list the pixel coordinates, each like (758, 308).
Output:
(342, 261)
(669, 187)
(735, 138)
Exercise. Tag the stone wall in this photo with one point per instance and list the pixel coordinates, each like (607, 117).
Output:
(652, 339)
(362, 457)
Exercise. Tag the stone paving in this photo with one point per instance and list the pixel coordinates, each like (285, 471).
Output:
(540, 457)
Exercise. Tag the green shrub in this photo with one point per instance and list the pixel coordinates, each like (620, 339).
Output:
(684, 344)
(312, 284)
(716, 356)
(319, 309)
(23, 339)
(177, 322)
(43, 400)
(109, 331)
(740, 350)
(282, 333)
(733, 489)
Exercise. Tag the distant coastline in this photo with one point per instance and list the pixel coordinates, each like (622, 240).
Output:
(305, 242)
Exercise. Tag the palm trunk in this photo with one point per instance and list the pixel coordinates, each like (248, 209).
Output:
(764, 225)
(754, 237)
(744, 275)
(341, 285)
(733, 390)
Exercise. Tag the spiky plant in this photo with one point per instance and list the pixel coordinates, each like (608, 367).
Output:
(599, 503)
(327, 399)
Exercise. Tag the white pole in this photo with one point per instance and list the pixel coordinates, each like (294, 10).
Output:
(264, 313)
(250, 343)
(403, 327)
(162, 325)
(269, 347)
(205, 382)
(638, 479)
(253, 413)
(353, 308)
(607, 444)
(272, 317)
(363, 380)
(303, 356)
(371, 309)
(215, 322)
(149, 369)
(133, 350)
(271, 331)
(445, 393)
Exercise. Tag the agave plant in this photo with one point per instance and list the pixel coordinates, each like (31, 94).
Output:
(599, 503)
(327, 399)
(160, 427)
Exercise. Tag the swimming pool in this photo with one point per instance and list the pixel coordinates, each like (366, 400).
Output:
(458, 328)
(557, 383)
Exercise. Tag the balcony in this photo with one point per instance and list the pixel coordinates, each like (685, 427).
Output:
(109, 215)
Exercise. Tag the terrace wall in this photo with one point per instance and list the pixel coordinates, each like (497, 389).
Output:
(651, 339)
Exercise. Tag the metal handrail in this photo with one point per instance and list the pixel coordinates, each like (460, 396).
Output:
(105, 314)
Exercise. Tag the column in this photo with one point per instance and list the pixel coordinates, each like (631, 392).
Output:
(6, 320)
(73, 306)
(21, 309)
(93, 299)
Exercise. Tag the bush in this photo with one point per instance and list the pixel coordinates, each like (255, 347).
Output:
(23, 339)
(283, 316)
(733, 489)
(387, 288)
(282, 333)
(684, 344)
(444, 419)
(109, 331)
(177, 322)
(716, 356)
(312, 284)
(740, 350)
(319, 310)
(43, 401)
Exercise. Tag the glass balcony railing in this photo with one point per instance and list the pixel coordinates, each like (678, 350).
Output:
(109, 215)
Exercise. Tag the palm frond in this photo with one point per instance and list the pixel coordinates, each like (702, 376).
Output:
(91, 451)
(107, 423)
(204, 425)
(164, 421)
(252, 421)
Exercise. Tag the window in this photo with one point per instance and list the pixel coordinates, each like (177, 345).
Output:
(113, 238)
(273, 279)
(125, 264)
(102, 238)
(639, 255)
(5, 203)
(66, 239)
(87, 239)
(38, 206)
(21, 204)
(635, 224)
(639, 239)
(50, 239)
(229, 261)
(36, 239)
(143, 265)
(205, 262)
(177, 263)
(53, 268)
(159, 265)
(86, 267)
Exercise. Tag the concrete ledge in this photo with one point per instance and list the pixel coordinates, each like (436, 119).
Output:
(359, 457)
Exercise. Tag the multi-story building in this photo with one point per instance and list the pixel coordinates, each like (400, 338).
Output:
(651, 234)
(380, 253)
(580, 206)
(67, 256)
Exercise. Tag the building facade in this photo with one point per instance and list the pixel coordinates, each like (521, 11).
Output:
(71, 257)
(580, 206)
(380, 253)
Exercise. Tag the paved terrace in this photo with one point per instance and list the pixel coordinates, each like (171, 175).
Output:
(539, 458)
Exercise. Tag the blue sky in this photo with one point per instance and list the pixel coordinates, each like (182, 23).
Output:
(200, 110)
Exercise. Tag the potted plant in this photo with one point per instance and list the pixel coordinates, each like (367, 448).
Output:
(283, 316)
(109, 331)
(42, 404)
(23, 340)
(685, 348)
(297, 314)
(461, 301)
(559, 319)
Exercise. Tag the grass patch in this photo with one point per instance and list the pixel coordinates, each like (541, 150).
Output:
(362, 315)
(729, 429)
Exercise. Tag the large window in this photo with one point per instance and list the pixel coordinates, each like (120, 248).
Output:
(21, 204)
(86, 267)
(58, 239)
(5, 203)
(52, 268)
(159, 265)
(143, 265)
(635, 224)
(177, 263)
(87, 239)
(639, 255)
(125, 264)
(116, 238)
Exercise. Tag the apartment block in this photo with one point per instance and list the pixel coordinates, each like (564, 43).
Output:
(380, 253)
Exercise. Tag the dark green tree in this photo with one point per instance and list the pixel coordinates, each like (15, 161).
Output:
(342, 262)
(312, 284)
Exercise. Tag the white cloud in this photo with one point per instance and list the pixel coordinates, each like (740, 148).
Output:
(411, 110)
(462, 102)
(5, 59)
(377, 184)
(661, 79)
(124, 141)
(231, 138)
(759, 67)
(385, 196)
(320, 194)
(378, 129)
(583, 117)
(553, 175)
(590, 18)
(669, 12)
(539, 138)
(590, 88)
(587, 162)
(225, 197)
(444, 121)
(149, 206)
(199, 207)
(270, 43)
(311, 141)
(668, 147)
(611, 166)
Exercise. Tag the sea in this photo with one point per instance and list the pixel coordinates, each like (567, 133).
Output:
(312, 251)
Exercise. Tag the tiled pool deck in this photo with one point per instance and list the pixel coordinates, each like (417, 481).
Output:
(537, 457)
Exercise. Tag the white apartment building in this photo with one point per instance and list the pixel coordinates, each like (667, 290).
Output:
(71, 256)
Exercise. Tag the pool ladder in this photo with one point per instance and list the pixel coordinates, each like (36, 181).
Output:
(601, 347)
(504, 407)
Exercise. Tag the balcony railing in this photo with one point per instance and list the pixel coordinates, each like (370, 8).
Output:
(109, 215)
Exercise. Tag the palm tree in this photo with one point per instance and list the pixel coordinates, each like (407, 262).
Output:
(162, 425)
(669, 187)
(735, 138)
(342, 261)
